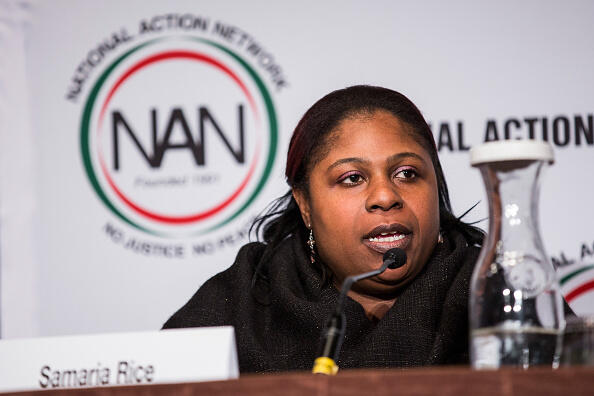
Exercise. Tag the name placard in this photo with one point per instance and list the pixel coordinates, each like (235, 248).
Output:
(168, 356)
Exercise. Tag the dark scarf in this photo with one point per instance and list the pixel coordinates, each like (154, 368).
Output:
(279, 320)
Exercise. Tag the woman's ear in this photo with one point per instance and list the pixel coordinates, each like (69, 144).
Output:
(303, 204)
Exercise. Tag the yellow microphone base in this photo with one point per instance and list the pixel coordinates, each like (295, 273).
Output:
(325, 365)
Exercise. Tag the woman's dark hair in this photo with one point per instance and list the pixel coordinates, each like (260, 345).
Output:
(309, 144)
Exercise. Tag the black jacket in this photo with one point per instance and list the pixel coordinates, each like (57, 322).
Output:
(279, 323)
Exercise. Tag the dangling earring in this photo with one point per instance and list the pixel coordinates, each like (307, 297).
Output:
(311, 243)
(439, 238)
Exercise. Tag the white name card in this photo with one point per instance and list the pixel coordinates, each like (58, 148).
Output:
(177, 355)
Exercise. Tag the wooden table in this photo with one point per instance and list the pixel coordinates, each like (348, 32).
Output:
(424, 381)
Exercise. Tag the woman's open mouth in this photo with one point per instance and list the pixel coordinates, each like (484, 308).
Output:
(385, 237)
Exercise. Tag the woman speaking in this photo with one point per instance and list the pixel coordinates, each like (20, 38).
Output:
(364, 178)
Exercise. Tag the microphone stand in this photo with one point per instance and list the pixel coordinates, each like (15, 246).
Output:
(335, 328)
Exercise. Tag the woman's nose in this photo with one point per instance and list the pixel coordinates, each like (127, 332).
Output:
(383, 195)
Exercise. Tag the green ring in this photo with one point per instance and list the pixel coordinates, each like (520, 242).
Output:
(86, 119)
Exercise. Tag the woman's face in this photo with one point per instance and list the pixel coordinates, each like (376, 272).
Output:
(375, 190)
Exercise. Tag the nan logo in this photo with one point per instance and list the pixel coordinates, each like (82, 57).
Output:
(178, 136)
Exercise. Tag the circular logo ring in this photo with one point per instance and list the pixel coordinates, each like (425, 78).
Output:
(86, 149)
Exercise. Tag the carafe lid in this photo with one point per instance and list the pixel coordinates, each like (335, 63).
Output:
(511, 150)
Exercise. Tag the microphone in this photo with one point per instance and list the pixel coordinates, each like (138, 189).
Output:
(335, 328)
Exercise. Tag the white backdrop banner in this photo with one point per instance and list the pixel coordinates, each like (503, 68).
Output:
(139, 139)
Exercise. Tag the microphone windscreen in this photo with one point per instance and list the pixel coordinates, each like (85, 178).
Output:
(396, 258)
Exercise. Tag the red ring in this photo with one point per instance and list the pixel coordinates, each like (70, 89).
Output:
(197, 216)
(579, 290)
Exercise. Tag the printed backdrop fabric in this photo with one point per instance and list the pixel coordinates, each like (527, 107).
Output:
(139, 139)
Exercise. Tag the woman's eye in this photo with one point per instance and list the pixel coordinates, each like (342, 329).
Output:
(351, 179)
(406, 174)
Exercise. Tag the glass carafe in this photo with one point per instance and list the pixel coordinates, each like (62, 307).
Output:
(516, 307)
